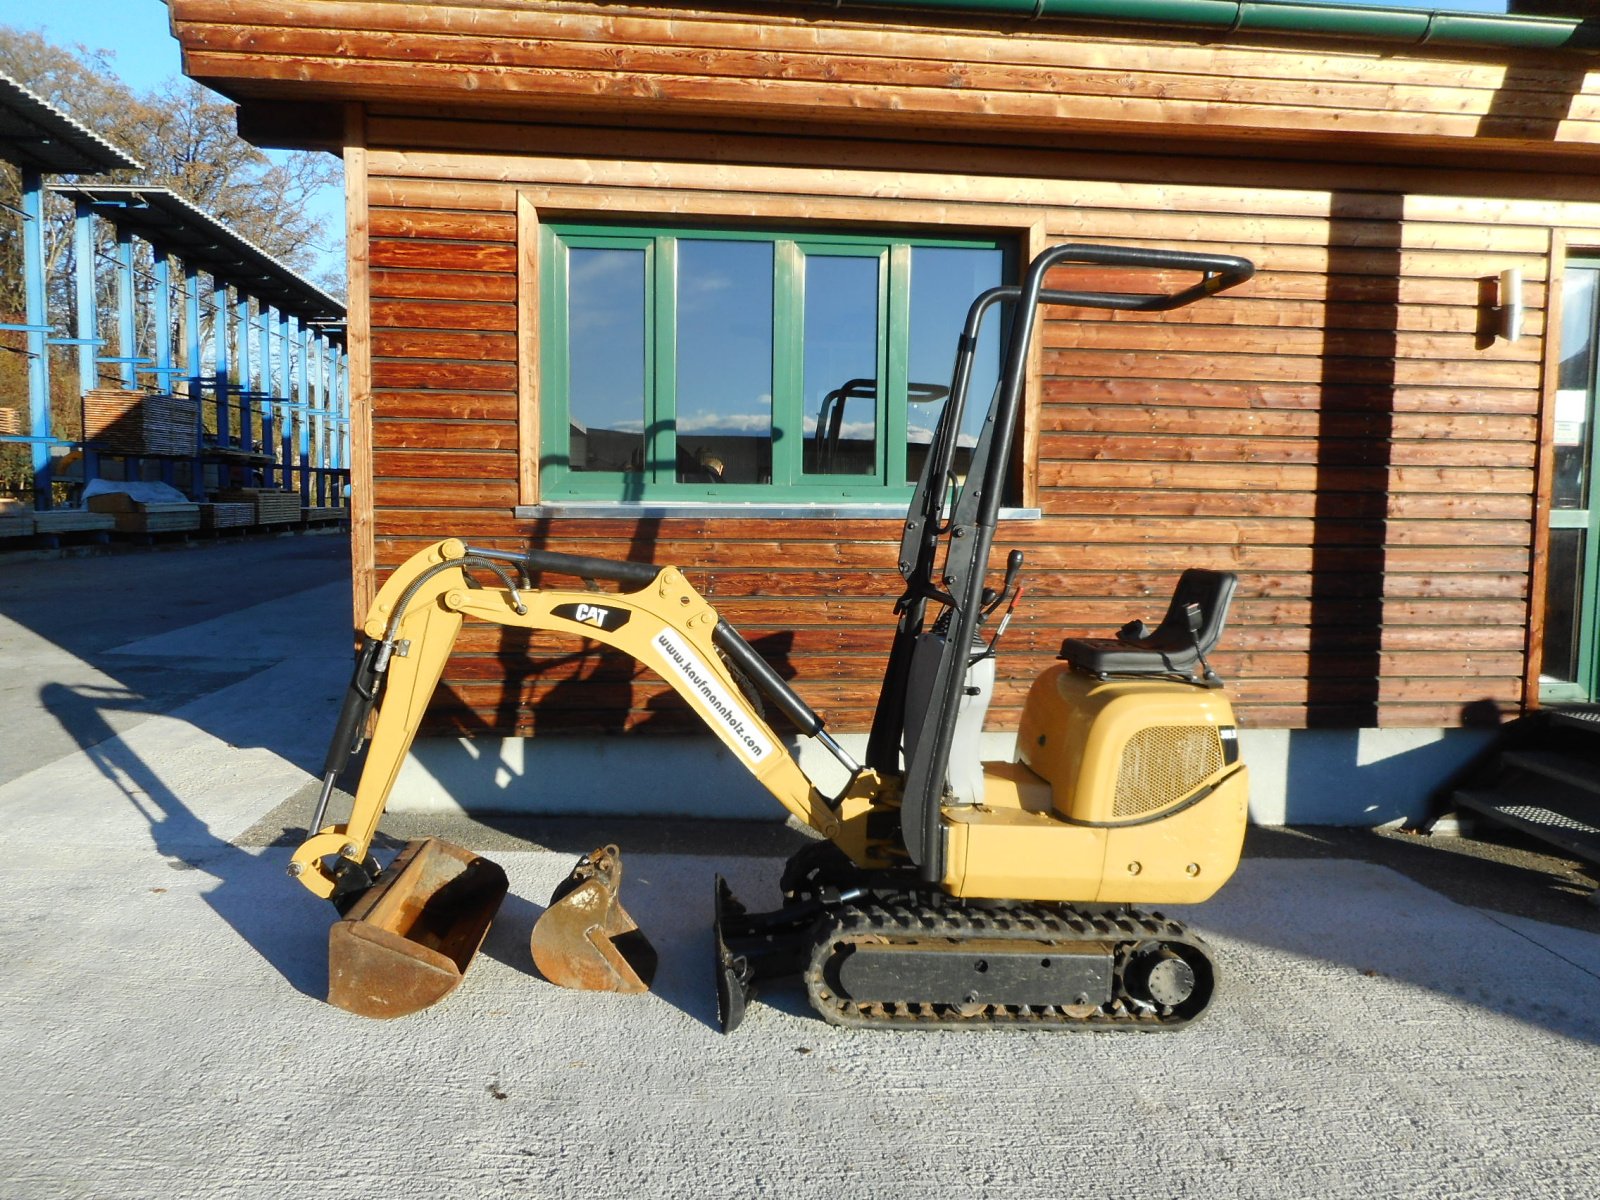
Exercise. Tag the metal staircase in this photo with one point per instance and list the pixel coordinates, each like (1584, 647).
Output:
(1543, 779)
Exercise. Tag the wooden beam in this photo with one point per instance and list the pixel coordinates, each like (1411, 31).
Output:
(359, 343)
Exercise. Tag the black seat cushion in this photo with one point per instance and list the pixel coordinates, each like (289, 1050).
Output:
(1170, 648)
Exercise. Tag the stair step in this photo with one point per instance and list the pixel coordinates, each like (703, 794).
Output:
(1569, 769)
(1574, 828)
(1583, 718)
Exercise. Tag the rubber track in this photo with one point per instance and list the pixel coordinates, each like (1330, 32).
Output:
(1052, 925)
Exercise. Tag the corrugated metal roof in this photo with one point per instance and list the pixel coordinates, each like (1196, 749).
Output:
(166, 219)
(36, 135)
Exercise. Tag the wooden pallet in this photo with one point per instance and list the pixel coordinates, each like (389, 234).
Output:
(73, 520)
(139, 422)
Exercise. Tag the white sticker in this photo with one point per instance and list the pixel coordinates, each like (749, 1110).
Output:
(751, 742)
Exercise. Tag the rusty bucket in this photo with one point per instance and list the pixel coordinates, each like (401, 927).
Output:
(406, 942)
(586, 939)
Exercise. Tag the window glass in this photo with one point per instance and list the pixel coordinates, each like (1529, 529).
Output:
(945, 280)
(724, 362)
(746, 365)
(606, 359)
(841, 364)
(1572, 431)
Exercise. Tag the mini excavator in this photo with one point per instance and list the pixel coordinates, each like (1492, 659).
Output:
(943, 891)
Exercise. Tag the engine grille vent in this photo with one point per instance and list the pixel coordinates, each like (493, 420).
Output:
(1163, 764)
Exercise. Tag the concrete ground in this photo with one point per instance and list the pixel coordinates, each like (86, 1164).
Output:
(1398, 1016)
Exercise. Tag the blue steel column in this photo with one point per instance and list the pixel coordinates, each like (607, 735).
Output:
(88, 321)
(303, 408)
(285, 393)
(163, 322)
(37, 318)
(221, 383)
(269, 443)
(127, 329)
(194, 364)
(241, 341)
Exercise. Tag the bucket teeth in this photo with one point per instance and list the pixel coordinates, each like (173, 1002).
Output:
(586, 940)
(405, 944)
(733, 974)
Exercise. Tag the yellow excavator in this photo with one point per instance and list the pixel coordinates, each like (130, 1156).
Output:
(942, 891)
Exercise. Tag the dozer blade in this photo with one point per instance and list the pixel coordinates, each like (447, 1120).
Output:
(586, 939)
(406, 942)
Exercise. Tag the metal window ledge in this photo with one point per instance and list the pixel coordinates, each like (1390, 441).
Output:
(696, 510)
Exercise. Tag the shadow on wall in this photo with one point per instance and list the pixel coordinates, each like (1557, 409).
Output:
(1359, 777)
(571, 701)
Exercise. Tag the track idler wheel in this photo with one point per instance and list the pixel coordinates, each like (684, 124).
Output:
(586, 940)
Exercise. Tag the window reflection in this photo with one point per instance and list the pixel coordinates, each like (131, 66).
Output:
(606, 359)
(840, 365)
(1572, 433)
(944, 282)
(724, 381)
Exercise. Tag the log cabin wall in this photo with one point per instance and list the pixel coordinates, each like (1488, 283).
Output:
(1345, 432)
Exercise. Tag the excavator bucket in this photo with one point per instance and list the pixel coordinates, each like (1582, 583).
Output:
(406, 942)
(586, 939)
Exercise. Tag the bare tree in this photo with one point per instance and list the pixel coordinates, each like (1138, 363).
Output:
(185, 135)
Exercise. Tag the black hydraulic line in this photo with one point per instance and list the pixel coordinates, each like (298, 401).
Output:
(581, 566)
(635, 574)
(767, 681)
(359, 698)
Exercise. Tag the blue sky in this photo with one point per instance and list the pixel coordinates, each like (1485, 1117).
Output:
(145, 55)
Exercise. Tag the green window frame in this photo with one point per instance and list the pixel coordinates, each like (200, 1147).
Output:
(653, 335)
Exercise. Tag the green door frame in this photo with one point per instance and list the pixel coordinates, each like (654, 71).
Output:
(1585, 687)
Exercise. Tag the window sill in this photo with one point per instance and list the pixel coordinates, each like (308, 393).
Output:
(755, 510)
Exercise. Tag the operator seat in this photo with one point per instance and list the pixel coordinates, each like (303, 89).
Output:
(1190, 630)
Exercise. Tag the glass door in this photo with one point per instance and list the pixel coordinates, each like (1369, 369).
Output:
(1569, 671)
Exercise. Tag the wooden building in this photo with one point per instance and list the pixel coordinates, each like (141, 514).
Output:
(607, 259)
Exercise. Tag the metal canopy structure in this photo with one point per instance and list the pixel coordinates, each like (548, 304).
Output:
(239, 378)
(165, 219)
(37, 136)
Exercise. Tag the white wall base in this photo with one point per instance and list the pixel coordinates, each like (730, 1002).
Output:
(1361, 777)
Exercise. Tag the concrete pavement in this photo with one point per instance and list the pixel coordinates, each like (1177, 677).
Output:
(163, 1034)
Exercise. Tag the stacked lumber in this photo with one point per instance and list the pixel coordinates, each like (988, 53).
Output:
(227, 515)
(10, 422)
(320, 513)
(16, 518)
(139, 422)
(271, 507)
(159, 518)
(133, 515)
(73, 520)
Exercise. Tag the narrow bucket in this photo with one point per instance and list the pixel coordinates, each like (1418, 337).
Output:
(406, 942)
(586, 940)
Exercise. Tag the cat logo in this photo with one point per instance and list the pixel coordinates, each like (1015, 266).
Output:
(609, 619)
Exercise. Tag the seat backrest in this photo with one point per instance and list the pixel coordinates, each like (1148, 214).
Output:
(1212, 591)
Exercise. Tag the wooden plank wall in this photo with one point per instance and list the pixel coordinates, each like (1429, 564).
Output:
(805, 62)
(1342, 434)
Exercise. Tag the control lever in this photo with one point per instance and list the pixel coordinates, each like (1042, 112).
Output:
(1009, 589)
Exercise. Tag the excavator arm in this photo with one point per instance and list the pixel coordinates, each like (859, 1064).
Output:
(663, 622)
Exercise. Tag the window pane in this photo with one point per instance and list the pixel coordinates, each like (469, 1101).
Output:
(1572, 431)
(1562, 600)
(841, 365)
(944, 283)
(606, 359)
(724, 417)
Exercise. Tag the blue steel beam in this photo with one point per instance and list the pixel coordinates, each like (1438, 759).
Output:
(38, 329)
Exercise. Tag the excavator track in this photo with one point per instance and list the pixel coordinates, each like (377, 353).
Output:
(902, 962)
